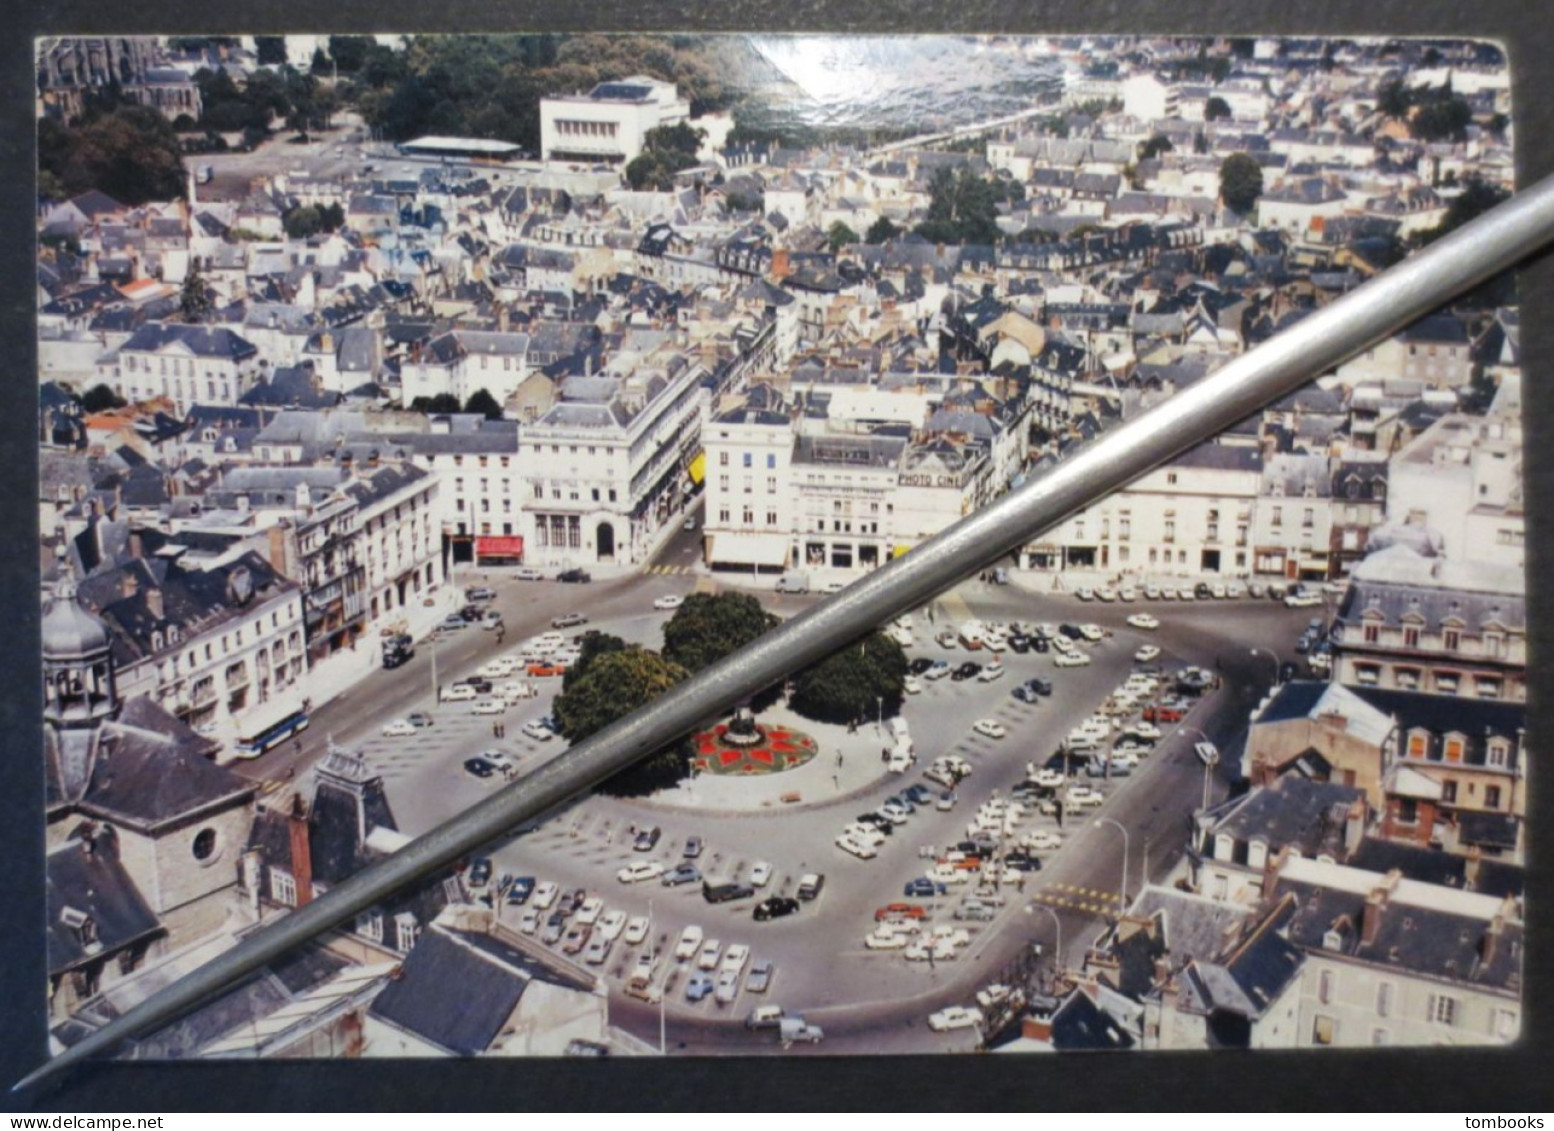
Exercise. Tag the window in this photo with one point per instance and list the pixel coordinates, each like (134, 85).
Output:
(369, 925)
(1380, 1037)
(1325, 987)
(1384, 996)
(1323, 1029)
(1449, 792)
(1503, 1024)
(1498, 754)
(204, 846)
(1492, 797)
(748, 459)
(1451, 640)
(1442, 1009)
(283, 889)
(1372, 633)
(722, 459)
(1411, 637)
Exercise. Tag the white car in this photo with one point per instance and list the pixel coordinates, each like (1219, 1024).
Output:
(499, 668)
(1048, 779)
(727, 988)
(1218, 591)
(1152, 593)
(669, 601)
(1042, 840)
(1085, 593)
(514, 690)
(990, 728)
(639, 870)
(637, 928)
(1235, 589)
(1082, 796)
(1145, 621)
(912, 685)
(1075, 659)
(1186, 593)
(760, 874)
(1148, 731)
(545, 894)
(734, 958)
(399, 728)
(1168, 594)
(1106, 593)
(689, 944)
(488, 707)
(886, 938)
(990, 673)
(589, 913)
(530, 921)
(459, 693)
(612, 924)
(1094, 633)
(708, 958)
(1127, 593)
(1146, 653)
(857, 848)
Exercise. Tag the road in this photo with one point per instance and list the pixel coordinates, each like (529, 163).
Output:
(867, 1000)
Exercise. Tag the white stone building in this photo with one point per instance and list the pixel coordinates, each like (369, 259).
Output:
(1462, 477)
(610, 122)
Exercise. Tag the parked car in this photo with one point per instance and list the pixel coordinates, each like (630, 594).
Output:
(528, 573)
(480, 593)
(922, 887)
(1144, 621)
(693, 847)
(966, 671)
(775, 907)
(698, 987)
(479, 768)
(639, 870)
(723, 893)
(568, 620)
(399, 728)
(669, 601)
(990, 728)
(689, 943)
(574, 576)
(681, 874)
(759, 980)
(646, 839)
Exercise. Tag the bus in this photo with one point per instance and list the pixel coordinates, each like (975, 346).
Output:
(272, 736)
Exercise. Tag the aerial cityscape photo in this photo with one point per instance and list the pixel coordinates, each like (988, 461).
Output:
(412, 408)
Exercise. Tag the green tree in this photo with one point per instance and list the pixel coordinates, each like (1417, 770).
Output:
(1215, 108)
(1442, 120)
(881, 231)
(1154, 147)
(1393, 99)
(593, 645)
(839, 235)
(666, 150)
(100, 398)
(962, 208)
(442, 402)
(1476, 198)
(854, 683)
(710, 626)
(132, 154)
(194, 301)
(484, 403)
(302, 222)
(616, 683)
(349, 52)
(271, 49)
(1240, 182)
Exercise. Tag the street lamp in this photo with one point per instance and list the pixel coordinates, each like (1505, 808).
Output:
(1275, 660)
(1057, 925)
(1208, 763)
(1099, 821)
(663, 990)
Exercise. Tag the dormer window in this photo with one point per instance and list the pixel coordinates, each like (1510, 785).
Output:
(83, 926)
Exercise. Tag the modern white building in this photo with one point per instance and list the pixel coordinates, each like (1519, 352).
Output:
(188, 365)
(1462, 477)
(610, 122)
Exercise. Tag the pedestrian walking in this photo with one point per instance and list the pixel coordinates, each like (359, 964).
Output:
(494, 728)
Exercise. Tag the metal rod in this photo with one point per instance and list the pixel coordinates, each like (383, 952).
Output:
(1494, 242)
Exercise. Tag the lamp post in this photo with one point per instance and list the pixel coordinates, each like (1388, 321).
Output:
(1099, 821)
(1057, 925)
(1272, 657)
(663, 990)
(1208, 763)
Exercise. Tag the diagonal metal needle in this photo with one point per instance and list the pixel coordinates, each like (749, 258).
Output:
(1494, 242)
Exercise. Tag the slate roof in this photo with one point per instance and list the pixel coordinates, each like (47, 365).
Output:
(1080, 1024)
(1293, 812)
(94, 883)
(202, 341)
(457, 989)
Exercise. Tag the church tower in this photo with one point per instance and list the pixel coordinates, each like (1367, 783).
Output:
(78, 688)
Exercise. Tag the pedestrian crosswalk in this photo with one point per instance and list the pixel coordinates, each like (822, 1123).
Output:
(1076, 898)
(668, 570)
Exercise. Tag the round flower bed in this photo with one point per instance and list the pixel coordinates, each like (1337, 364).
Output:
(782, 748)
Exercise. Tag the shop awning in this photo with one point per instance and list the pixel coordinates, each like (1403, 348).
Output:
(499, 546)
(698, 468)
(900, 549)
(748, 549)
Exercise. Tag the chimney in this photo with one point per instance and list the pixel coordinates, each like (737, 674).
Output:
(301, 851)
(1489, 947)
(1271, 871)
(780, 266)
(1037, 1025)
(1376, 906)
(155, 604)
(1354, 826)
(129, 584)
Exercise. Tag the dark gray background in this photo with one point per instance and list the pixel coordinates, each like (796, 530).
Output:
(1478, 1081)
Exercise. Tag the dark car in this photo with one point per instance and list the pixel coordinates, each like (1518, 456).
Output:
(775, 907)
(478, 682)
(646, 839)
(723, 893)
(1020, 643)
(472, 612)
(902, 800)
(419, 719)
(968, 670)
(520, 890)
(1202, 591)
(479, 767)
(1039, 686)
(918, 794)
(920, 665)
(693, 846)
(1025, 693)
(1303, 645)
(480, 872)
(1022, 863)
(923, 886)
(681, 874)
(878, 821)
(1039, 644)
(1071, 631)
(574, 576)
(1066, 763)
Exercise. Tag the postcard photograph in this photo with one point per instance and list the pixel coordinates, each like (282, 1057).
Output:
(413, 408)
